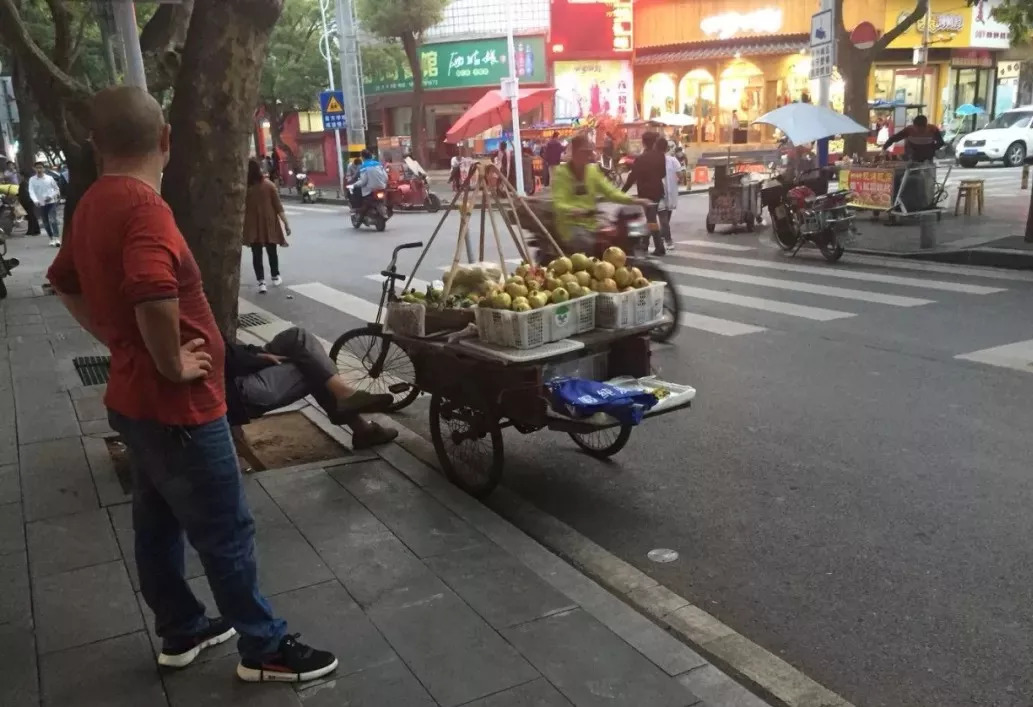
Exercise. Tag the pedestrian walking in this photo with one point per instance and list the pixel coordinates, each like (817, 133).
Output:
(667, 205)
(45, 193)
(553, 155)
(31, 217)
(10, 174)
(263, 216)
(127, 275)
(648, 172)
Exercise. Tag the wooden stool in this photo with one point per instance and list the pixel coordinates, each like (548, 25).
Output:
(971, 190)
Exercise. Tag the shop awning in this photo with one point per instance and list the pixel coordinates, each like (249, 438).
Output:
(724, 50)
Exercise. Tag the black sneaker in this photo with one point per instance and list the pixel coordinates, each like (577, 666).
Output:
(181, 652)
(293, 662)
(373, 436)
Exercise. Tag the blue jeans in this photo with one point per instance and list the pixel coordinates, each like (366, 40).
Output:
(187, 479)
(48, 217)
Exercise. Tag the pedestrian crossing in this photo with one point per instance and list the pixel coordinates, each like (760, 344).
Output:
(737, 289)
(997, 181)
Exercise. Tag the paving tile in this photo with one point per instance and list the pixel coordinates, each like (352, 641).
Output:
(68, 542)
(122, 521)
(102, 469)
(499, 588)
(15, 601)
(264, 510)
(96, 428)
(592, 666)
(90, 408)
(25, 330)
(85, 605)
(23, 319)
(423, 524)
(360, 550)
(56, 479)
(19, 681)
(539, 693)
(215, 684)
(201, 590)
(387, 685)
(327, 617)
(12, 529)
(8, 429)
(117, 672)
(10, 484)
(449, 648)
(719, 690)
(286, 561)
(44, 417)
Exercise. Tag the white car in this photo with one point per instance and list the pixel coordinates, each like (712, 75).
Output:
(1008, 138)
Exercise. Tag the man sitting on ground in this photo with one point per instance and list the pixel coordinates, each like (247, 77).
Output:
(290, 367)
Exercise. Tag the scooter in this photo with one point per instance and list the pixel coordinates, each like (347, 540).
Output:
(7, 220)
(412, 191)
(374, 211)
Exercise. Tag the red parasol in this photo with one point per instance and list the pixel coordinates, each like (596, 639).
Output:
(493, 110)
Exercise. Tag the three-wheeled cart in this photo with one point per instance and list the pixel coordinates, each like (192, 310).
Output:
(897, 188)
(478, 390)
(734, 200)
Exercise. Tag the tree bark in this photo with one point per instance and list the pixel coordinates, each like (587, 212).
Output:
(857, 64)
(26, 116)
(418, 123)
(212, 118)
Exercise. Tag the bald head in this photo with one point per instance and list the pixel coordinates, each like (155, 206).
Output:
(127, 123)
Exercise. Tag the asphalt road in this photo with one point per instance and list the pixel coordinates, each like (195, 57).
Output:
(847, 492)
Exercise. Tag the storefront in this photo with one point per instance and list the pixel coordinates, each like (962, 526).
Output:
(964, 43)
(455, 75)
(724, 63)
(585, 88)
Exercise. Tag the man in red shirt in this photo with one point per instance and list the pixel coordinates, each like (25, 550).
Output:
(128, 277)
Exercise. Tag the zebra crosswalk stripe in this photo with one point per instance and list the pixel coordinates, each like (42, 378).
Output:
(767, 305)
(341, 301)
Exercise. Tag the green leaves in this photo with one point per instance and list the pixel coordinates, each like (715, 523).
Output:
(396, 18)
(1018, 15)
(295, 70)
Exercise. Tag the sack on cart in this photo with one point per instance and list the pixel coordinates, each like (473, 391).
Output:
(578, 398)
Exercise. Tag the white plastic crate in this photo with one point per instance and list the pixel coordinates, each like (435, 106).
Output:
(527, 330)
(623, 310)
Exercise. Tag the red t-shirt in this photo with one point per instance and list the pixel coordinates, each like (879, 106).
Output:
(123, 249)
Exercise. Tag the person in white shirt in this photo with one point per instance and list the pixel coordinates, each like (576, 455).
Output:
(670, 201)
(45, 193)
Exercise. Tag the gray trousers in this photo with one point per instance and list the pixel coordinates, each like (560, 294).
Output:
(305, 372)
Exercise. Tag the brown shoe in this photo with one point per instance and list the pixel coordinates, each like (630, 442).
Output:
(358, 403)
(373, 436)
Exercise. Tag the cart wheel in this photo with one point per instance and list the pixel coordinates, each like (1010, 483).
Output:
(602, 444)
(710, 227)
(672, 306)
(468, 443)
(371, 361)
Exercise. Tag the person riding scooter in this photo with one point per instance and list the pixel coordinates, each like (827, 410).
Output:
(576, 187)
(372, 177)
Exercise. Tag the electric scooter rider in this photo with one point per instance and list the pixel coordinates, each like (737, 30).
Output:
(372, 176)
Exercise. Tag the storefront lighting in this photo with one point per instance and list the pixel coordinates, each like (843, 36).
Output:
(725, 26)
(738, 55)
(557, 48)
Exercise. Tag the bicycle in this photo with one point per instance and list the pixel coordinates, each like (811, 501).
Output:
(370, 346)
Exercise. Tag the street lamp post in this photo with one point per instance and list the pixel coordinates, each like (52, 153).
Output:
(514, 102)
(125, 21)
(323, 7)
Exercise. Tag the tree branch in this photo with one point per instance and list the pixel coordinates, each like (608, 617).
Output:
(62, 34)
(921, 8)
(77, 47)
(166, 27)
(33, 59)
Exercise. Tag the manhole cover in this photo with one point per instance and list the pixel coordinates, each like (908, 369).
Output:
(252, 319)
(662, 555)
(92, 370)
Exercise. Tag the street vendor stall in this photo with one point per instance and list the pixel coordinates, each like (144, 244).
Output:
(895, 187)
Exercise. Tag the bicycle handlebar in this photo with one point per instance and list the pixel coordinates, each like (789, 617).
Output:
(404, 246)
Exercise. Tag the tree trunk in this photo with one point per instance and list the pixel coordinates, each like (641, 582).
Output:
(26, 116)
(418, 128)
(212, 117)
(854, 67)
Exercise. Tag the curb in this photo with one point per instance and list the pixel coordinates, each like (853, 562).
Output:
(986, 257)
(761, 671)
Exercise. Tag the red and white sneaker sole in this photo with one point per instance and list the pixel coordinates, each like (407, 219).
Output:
(262, 675)
(182, 660)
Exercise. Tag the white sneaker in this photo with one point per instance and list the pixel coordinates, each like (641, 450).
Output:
(262, 289)
(277, 281)
(54, 243)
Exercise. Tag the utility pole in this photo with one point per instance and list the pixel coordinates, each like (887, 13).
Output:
(514, 103)
(324, 5)
(351, 75)
(825, 81)
(125, 21)
(925, 54)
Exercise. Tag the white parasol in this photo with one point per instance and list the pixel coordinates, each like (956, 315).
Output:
(805, 122)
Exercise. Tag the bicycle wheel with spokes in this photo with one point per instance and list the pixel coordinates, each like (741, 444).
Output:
(468, 442)
(672, 306)
(371, 361)
(602, 444)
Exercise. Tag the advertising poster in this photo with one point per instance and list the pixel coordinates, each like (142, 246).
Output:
(585, 88)
(873, 188)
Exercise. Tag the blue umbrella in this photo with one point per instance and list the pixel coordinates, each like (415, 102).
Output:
(967, 109)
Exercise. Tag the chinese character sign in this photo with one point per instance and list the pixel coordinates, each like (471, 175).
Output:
(483, 62)
(873, 188)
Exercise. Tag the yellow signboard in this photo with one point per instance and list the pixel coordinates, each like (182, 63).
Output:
(333, 105)
(951, 25)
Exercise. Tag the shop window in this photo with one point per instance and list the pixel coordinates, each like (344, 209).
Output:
(658, 96)
(312, 157)
(904, 85)
(697, 97)
(740, 102)
(310, 122)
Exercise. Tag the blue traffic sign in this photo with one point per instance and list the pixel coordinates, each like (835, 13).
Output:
(332, 105)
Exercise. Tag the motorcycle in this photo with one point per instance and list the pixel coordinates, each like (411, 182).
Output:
(306, 189)
(7, 220)
(412, 191)
(374, 211)
(805, 211)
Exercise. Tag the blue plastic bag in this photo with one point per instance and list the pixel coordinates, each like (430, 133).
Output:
(576, 397)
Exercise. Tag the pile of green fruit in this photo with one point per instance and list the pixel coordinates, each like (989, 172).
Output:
(533, 287)
(434, 298)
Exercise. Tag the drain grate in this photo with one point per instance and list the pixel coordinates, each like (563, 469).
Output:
(252, 319)
(92, 370)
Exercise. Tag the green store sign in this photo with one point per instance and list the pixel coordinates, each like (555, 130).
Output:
(482, 62)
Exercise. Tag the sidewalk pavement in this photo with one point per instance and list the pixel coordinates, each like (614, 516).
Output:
(427, 596)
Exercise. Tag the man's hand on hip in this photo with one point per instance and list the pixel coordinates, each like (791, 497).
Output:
(194, 364)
